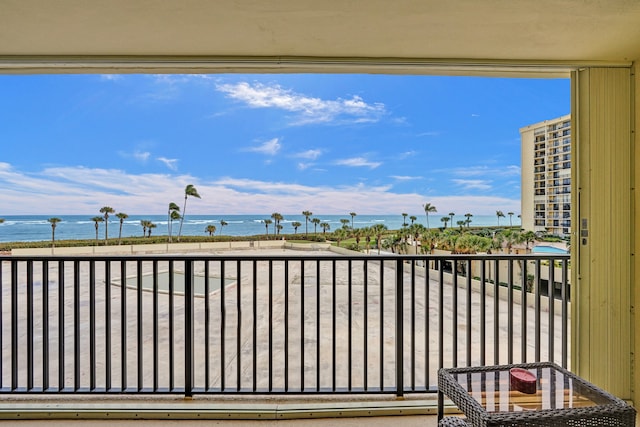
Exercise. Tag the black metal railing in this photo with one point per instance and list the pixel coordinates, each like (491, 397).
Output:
(279, 324)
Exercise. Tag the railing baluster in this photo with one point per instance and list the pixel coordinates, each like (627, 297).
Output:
(270, 325)
(565, 309)
(349, 324)
(286, 326)
(76, 325)
(139, 326)
(483, 312)
(318, 325)
(107, 322)
(30, 325)
(440, 313)
(92, 325)
(454, 317)
(523, 311)
(188, 328)
(302, 325)
(223, 325)
(496, 313)
(399, 328)
(469, 306)
(207, 327)
(381, 325)
(156, 328)
(123, 326)
(171, 326)
(551, 299)
(538, 331)
(366, 324)
(510, 311)
(427, 324)
(333, 325)
(14, 325)
(238, 324)
(45, 325)
(61, 295)
(255, 325)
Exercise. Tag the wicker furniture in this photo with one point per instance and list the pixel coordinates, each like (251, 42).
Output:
(483, 394)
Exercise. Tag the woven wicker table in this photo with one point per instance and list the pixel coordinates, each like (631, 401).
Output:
(486, 397)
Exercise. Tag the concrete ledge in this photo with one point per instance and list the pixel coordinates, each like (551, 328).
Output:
(197, 409)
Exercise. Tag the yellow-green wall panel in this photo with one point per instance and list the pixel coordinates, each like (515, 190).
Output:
(603, 220)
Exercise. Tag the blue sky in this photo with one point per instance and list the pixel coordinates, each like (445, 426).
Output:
(332, 144)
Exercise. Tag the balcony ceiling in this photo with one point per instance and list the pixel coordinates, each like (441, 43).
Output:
(67, 32)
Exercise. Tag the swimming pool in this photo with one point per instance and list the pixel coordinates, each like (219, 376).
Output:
(542, 249)
(178, 283)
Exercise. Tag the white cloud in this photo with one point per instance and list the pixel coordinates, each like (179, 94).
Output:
(80, 190)
(472, 171)
(302, 166)
(270, 147)
(170, 163)
(140, 156)
(308, 109)
(358, 162)
(309, 154)
(405, 177)
(473, 184)
(111, 77)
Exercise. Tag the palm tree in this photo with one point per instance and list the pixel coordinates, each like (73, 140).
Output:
(468, 220)
(222, 224)
(189, 190)
(367, 233)
(97, 220)
(266, 224)
(53, 221)
(307, 215)
(413, 219)
(315, 222)
(174, 216)
(404, 218)
(121, 216)
(145, 224)
(211, 229)
(451, 215)
(345, 223)
(279, 227)
(173, 208)
(106, 210)
(295, 225)
(150, 227)
(277, 218)
(460, 224)
(510, 218)
(325, 226)
(353, 215)
(499, 214)
(378, 231)
(445, 219)
(340, 234)
(357, 234)
(428, 207)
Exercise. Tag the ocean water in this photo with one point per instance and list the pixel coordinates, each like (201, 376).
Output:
(36, 227)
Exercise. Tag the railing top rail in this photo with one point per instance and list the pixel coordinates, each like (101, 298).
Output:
(247, 257)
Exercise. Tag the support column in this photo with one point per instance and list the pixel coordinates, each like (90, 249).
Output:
(603, 228)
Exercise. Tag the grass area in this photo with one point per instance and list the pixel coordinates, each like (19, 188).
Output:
(292, 238)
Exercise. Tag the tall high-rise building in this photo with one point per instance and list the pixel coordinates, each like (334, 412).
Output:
(546, 176)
